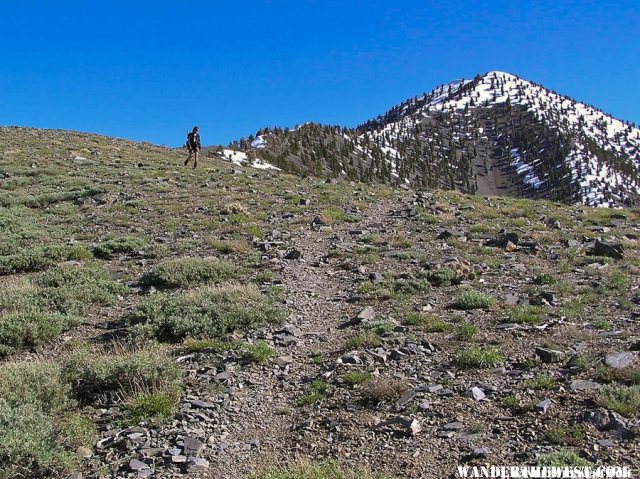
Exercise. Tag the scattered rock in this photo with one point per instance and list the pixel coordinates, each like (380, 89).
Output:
(547, 355)
(619, 360)
(476, 393)
(611, 249)
(543, 406)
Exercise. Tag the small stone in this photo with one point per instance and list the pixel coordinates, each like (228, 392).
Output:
(179, 459)
(136, 465)
(376, 277)
(543, 406)
(547, 355)
(583, 385)
(453, 426)
(606, 443)
(611, 249)
(599, 418)
(476, 393)
(367, 314)
(84, 452)
(293, 254)
(283, 360)
(198, 464)
(191, 446)
(619, 360)
(481, 452)
(197, 403)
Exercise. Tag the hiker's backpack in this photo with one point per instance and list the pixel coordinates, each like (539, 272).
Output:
(188, 142)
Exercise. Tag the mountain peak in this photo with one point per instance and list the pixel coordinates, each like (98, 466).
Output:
(495, 134)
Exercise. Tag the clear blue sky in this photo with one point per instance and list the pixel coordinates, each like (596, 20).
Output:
(150, 70)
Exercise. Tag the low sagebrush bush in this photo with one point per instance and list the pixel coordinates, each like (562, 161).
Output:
(562, 458)
(624, 400)
(20, 330)
(208, 312)
(473, 300)
(41, 257)
(121, 245)
(124, 372)
(30, 445)
(185, 272)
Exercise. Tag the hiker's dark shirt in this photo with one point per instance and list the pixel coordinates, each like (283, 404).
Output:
(194, 141)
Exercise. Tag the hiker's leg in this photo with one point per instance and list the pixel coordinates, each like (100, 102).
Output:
(195, 161)
(186, 162)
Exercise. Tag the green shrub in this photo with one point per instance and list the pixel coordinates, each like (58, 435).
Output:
(562, 458)
(41, 257)
(365, 340)
(473, 300)
(78, 430)
(92, 373)
(630, 376)
(465, 332)
(354, 378)
(545, 278)
(380, 327)
(479, 358)
(151, 407)
(208, 312)
(185, 272)
(121, 245)
(541, 382)
(30, 446)
(442, 276)
(258, 352)
(20, 330)
(624, 400)
(39, 383)
(566, 435)
(318, 389)
(526, 314)
(71, 289)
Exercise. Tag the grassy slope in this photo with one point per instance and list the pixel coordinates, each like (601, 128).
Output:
(64, 194)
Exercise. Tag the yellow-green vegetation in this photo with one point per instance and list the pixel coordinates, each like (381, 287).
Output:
(427, 322)
(476, 357)
(566, 435)
(259, 352)
(526, 314)
(367, 339)
(318, 389)
(465, 332)
(355, 378)
(45, 305)
(541, 382)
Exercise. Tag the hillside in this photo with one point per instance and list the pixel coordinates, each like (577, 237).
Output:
(236, 322)
(495, 134)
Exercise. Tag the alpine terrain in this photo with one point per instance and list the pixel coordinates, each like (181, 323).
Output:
(496, 134)
(268, 316)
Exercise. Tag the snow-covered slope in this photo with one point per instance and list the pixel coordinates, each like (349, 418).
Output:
(603, 158)
(495, 134)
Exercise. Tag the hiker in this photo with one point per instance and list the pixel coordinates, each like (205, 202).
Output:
(193, 145)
